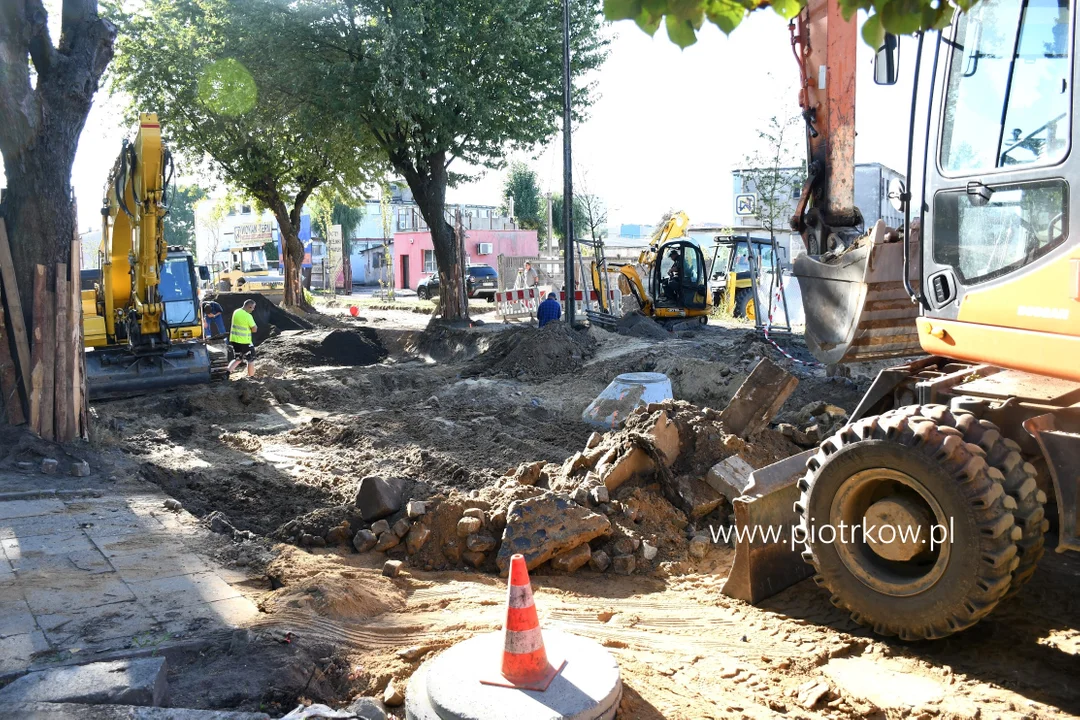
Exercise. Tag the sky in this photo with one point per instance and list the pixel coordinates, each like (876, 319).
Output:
(665, 131)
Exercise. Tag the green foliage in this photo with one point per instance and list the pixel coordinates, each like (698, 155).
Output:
(329, 208)
(522, 185)
(436, 82)
(180, 222)
(580, 216)
(683, 18)
(776, 171)
(204, 67)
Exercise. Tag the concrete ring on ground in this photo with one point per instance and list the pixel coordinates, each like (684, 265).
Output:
(448, 687)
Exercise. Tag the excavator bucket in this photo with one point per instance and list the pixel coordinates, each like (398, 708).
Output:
(766, 559)
(856, 305)
(115, 372)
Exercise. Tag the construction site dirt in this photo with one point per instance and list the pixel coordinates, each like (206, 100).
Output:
(471, 423)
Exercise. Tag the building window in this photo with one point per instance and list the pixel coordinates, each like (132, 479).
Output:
(429, 261)
(245, 209)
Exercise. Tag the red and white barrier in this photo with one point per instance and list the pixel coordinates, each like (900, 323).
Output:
(518, 303)
(614, 301)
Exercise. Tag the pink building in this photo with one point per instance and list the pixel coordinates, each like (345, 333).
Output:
(414, 255)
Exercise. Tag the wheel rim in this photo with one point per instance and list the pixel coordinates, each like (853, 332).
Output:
(888, 561)
(751, 311)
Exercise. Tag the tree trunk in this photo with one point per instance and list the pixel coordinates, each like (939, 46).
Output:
(429, 191)
(40, 216)
(292, 257)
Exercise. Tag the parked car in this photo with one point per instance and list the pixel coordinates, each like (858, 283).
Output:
(428, 288)
(485, 282)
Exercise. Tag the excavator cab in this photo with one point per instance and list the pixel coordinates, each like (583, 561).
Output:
(678, 284)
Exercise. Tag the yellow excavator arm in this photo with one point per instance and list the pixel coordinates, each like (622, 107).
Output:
(145, 323)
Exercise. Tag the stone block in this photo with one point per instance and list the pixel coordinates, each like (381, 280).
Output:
(600, 561)
(699, 546)
(418, 535)
(364, 540)
(473, 557)
(392, 568)
(729, 477)
(468, 525)
(758, 399)
(624, 564)
(387, 541)
(599, 494)
(368, 708)
(481, 542)
(380, 526)
(80, 468)
(571, 560)
(414, 509)
(49, 466)
(648, 550)
(140, 681)
(401, 527)
(377, 497)
(475, 513)
(694, 497)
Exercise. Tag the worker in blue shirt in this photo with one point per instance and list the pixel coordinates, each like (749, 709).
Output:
(213, 322)
(549, 310)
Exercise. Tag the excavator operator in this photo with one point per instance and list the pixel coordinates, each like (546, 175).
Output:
(673, 282)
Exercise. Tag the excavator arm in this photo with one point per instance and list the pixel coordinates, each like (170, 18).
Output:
(146, 331)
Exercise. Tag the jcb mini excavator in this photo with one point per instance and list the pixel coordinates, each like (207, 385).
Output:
(931, 506)
(142, 321)
(670, 279)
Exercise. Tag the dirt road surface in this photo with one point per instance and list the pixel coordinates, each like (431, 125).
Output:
(279, 457)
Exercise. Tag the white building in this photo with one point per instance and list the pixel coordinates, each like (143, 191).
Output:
(213, 237)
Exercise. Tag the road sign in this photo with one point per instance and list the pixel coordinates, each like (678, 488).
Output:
(333, 249)
(746, 205)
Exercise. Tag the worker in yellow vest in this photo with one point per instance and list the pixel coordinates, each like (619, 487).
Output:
(240, 337)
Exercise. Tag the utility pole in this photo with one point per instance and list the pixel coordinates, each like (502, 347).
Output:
(550, 227)
(568, 181)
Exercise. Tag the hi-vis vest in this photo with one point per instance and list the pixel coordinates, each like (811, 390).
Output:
(242, 322)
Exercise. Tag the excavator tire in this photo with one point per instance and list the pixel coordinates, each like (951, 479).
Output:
(906, 458)
(1017, 477)
(744, 303)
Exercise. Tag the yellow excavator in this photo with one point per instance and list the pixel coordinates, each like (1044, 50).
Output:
(142, 322)
(932, 505)
(669, 280)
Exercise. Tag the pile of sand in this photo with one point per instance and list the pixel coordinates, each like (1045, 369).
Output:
(535, 354)
(359, 346)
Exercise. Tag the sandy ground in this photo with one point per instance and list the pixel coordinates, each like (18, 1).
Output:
(287, 449)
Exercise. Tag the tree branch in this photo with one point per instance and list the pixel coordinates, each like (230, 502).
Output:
(40, 47)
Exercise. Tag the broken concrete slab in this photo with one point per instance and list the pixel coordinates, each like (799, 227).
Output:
(730, 476)
(528, 474)
(758, 399)
(541, 527)
(693, 496)
(634, 462)
(140, 681)
(378, 497)
(665, 437)
(80, 711)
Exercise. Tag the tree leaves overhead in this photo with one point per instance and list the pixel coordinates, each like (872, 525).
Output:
(522, 185)
(683, 18)
(180, 222)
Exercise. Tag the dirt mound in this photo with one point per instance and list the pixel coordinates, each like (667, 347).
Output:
(535, 354)
(358, 346)
(268, 316)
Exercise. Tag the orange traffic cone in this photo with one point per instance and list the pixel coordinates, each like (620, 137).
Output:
(525, 663)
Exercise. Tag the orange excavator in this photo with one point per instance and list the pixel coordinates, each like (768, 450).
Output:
(933, 504)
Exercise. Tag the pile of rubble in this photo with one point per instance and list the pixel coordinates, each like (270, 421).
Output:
(628, 502)
(813, 423)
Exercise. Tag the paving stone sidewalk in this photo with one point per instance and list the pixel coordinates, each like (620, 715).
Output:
(82, 574)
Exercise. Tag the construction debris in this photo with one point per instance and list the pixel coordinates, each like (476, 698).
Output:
(540, 528)
(378, 497)
(758, 399)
